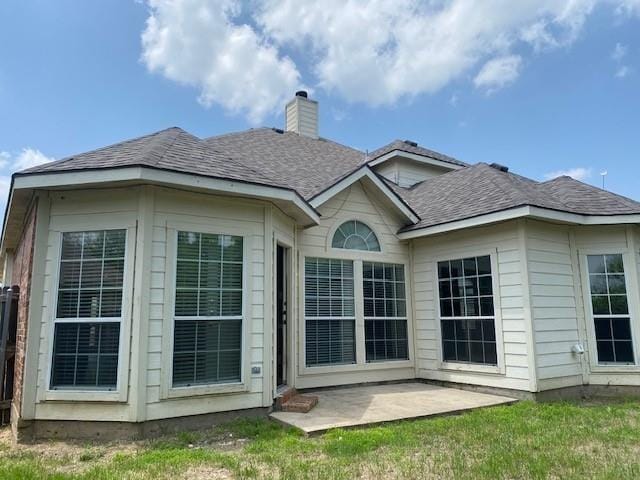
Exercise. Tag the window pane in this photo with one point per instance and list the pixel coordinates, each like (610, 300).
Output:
(613, 339)
(209, 275)
(207, 352)
(355, 235)
(614, 263)
(385, 340)
(330, 342)
(596, 263)
(85, 355)
(91, 272)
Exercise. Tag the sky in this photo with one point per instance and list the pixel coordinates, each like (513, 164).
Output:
(546, 87)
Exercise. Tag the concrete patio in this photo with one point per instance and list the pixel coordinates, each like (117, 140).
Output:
(364, 405)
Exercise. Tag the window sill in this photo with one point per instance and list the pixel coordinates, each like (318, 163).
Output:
(472, 368)
(612, 368)
(84, 396)
(199, 390)
(357, 367)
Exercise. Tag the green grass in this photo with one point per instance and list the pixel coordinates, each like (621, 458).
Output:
(526, 440)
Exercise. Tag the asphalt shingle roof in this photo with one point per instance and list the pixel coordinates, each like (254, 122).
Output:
(481, 189)
(170, 149)
(309, 166)
(410, 147)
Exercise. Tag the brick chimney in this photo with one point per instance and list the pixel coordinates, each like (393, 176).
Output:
(301, 115)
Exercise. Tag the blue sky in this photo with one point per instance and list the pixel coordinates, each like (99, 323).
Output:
(552, 87)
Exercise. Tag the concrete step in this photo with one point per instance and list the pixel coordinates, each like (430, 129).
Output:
(300, 403)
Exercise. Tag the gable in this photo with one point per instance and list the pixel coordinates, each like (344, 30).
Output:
(367, 177)
(406, 173)
(357, 202)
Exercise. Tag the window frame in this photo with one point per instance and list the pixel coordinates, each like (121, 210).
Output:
(404, 318)
(358, 257)
(119, 394)
(346, 253)
(498, 369)
(631, 284)
(167, 389)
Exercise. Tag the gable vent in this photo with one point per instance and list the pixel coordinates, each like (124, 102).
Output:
(411, 143)
(497, 166)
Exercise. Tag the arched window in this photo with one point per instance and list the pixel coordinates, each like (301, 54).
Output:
(354, 235)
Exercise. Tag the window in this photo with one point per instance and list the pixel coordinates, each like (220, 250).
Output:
(610, 309)
(207, 340)
(354, 235)
(329, 312)
(385, 312)
(467, 311)
(88, 311)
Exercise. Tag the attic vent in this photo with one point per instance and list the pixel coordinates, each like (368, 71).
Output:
(278, 130)
(411, 143)
(497, 166)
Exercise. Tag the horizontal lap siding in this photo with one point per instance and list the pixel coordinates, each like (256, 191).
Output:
(426, 252)
(555, 303)
(195, 210)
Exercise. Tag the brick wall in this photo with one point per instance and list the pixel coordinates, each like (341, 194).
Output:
(22, 268)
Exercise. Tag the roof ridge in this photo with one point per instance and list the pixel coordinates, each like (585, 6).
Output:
(100, 149)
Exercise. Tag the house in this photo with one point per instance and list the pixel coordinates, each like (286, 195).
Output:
(170, 278)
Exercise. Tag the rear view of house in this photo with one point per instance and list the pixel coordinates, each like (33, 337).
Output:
(168, 279)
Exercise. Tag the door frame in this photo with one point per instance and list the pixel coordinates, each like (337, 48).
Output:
(289, 357)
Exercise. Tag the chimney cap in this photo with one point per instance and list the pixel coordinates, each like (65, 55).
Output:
(302, 93)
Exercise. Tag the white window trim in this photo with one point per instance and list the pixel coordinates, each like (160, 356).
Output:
(95, 395)
(631, 283)
(405, 318)
(358, 257)
(500, 368)
(167, 390)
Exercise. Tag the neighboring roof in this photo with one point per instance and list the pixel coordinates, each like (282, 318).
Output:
(481, 189)
(412, 147)
(171, 149)
(306, 164)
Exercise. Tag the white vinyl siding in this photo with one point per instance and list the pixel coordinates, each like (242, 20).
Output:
(503, 244)
(556, 303)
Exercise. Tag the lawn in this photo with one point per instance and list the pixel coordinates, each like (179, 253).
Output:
(526, 440)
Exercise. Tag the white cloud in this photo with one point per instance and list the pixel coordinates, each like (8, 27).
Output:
(578, 173)
(26, 158)
(623, 71)
(377, 52)
(201, 43)
(619, 52)
(628, 7)
(498, 73)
